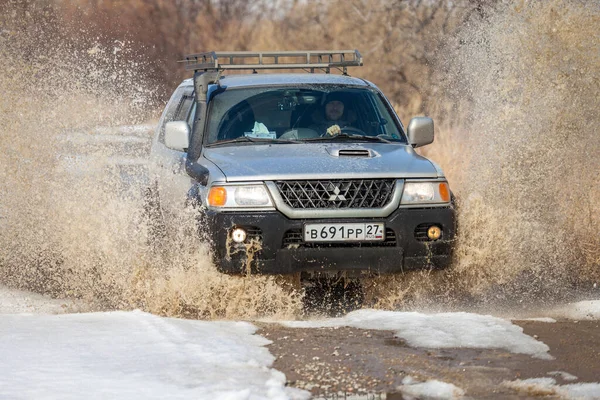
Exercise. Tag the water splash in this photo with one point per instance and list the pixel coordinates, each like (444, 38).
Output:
(68, 224)
(524, 163)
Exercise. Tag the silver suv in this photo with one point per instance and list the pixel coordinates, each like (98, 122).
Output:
(309, 172)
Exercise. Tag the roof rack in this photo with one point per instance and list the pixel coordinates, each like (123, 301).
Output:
(248, 60)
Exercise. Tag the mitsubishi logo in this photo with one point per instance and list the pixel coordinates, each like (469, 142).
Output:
(336, 194)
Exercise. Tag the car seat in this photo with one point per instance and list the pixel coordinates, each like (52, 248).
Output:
(238, 120)
(302, 116)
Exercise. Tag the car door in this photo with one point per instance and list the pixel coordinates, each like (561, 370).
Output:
(172, 182)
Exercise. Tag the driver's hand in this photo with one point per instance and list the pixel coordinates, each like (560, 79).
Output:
(334, 130)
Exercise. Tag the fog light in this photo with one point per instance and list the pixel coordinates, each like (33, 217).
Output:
(238, 235)
(434, 232)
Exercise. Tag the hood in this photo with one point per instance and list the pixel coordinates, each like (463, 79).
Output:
(268, 162)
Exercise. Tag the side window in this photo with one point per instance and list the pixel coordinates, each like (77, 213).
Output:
(184, 108)
(178, 110)
(191, 114)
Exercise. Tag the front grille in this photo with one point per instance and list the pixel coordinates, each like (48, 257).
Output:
(293, 238)
(331, 194)
(253, 233)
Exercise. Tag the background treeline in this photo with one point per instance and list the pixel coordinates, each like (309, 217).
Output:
(401, 40)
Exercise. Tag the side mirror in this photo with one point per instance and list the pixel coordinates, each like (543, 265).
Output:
(420, 131)
(177, 135)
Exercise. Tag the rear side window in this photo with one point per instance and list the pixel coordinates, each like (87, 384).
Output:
(179, 109)
(184, 108)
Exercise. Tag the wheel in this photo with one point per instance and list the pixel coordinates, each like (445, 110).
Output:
(332, 296)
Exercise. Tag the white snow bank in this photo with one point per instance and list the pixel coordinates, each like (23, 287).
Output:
(583, 310)
(13, 301)
(446, 330)
(548, 387)
(135, 355)
(564, 375)
(430, 390)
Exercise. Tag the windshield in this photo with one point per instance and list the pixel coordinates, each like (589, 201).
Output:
(292, 114)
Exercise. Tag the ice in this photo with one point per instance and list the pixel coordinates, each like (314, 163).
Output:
(548, 387)
(533, 387)
(430, 390)
(582, 391)
(135, 355)
(564, 375)
(13, 301)
(444, 330)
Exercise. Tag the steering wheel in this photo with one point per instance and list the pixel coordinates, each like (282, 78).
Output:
(349, 130)
(352, 130)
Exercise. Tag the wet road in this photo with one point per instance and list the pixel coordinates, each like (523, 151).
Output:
(338, 362)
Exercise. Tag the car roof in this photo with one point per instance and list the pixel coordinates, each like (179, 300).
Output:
(247, 80)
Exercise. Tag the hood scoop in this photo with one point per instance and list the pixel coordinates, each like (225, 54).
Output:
(364, 153)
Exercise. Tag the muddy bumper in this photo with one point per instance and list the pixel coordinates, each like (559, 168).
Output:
(275, 243)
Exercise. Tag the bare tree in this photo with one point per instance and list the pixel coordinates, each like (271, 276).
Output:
(400, 39)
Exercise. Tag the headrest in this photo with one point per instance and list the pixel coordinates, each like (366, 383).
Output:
(335, 96)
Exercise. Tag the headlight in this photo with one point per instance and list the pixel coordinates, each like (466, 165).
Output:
(251, 196)
(232, 196)
(425, 193)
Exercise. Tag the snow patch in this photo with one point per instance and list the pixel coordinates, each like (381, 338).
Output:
(430, 390)
(564, 375)
(534, 386)
(548, 387)
(445, 330)
(13, 301)
(135, 355)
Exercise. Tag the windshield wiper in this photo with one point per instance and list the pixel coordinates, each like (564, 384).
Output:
(250, 139)
(351, 137)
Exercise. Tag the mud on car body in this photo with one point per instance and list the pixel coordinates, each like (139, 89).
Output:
(286, 185)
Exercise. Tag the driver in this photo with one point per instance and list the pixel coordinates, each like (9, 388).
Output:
(333, 119)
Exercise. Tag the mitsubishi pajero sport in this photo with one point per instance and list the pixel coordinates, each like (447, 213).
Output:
(301, 172)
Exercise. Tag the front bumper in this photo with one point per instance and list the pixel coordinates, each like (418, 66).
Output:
(275, 244)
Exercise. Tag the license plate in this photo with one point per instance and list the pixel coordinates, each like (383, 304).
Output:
(344, 232)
